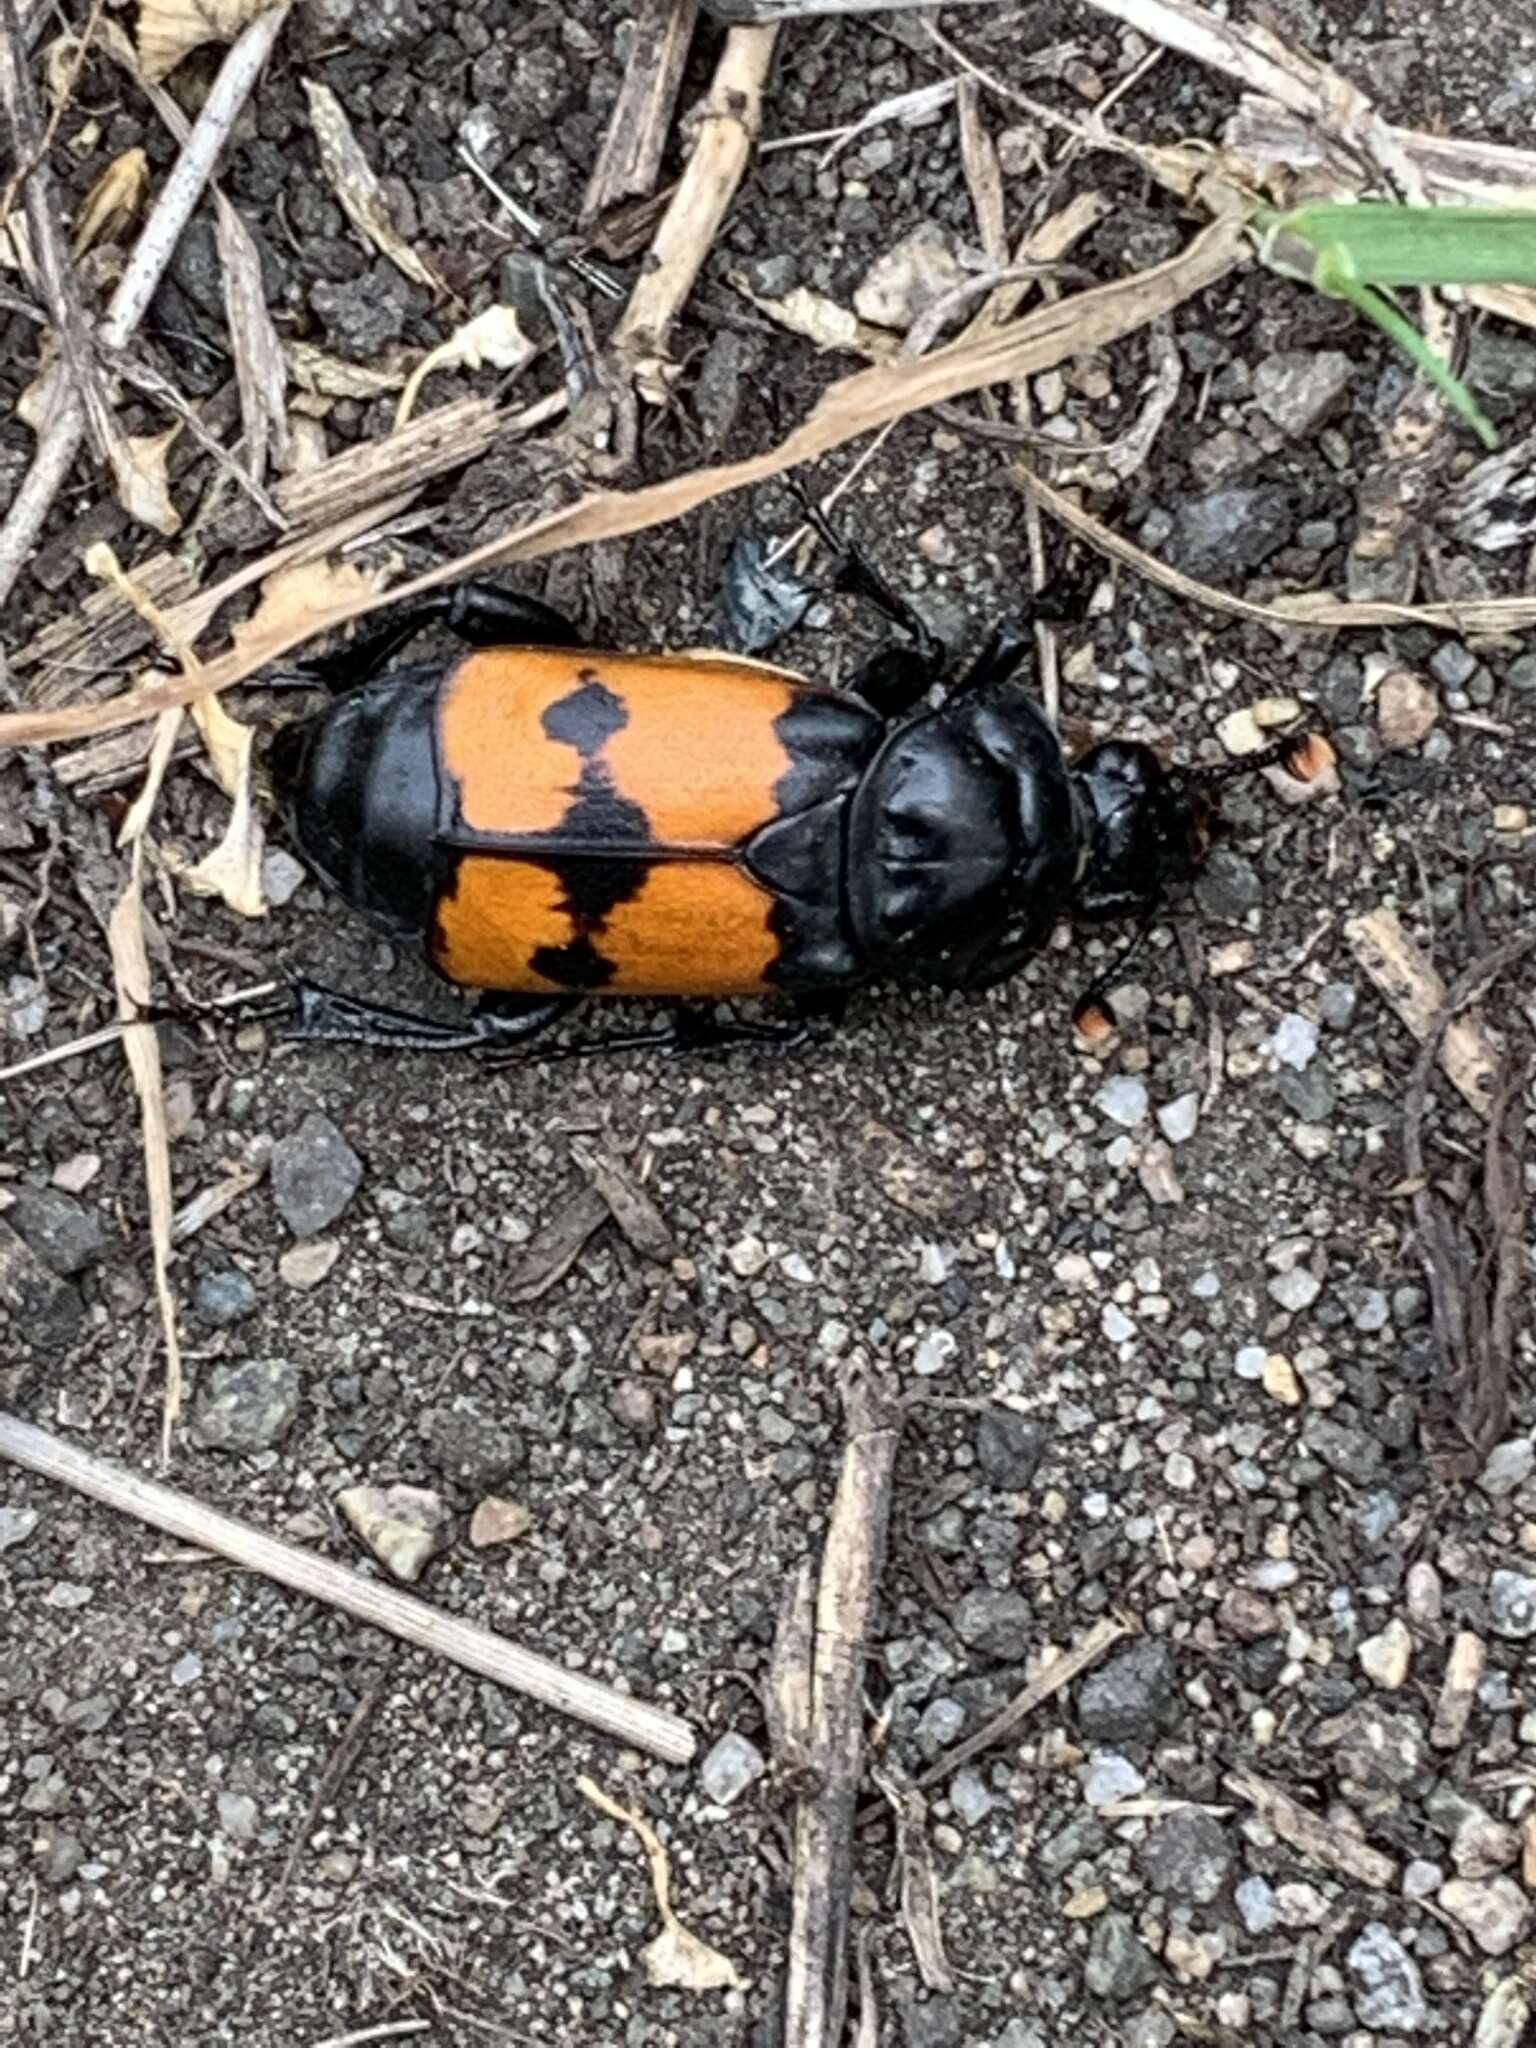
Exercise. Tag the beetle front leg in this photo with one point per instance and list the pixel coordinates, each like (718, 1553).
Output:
(694, 1030)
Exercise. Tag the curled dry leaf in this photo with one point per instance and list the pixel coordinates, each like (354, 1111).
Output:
(143, 481)
(354, 181)
(494, 336)
(303, 591)
(821, 320)
(168, 29)
(675, 1958)
(113, 201)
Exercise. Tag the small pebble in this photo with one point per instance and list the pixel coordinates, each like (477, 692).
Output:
(247, 1407)
(1294, 1041)
(1509, 1466)
(1494, 1911)
(1407, 709)
(730, 1767)
(1385, 1658)
(1280, 1381)
(934, 1354)
(747, 1257)
(1295, 1290)
(315, 1174)
(1177, 1120)
(305, 1265)
(498, 1521)
(1112, 1777)
(1512, 1605)
(1123, 1099)
(404, 1526)
(237, 1815)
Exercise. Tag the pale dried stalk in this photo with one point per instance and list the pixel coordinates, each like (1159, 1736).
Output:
(630, 159)
(816, 1994)
(798, 10)
(1313, 609)
(1310, 1835)
(703, 196)
(60, 441)
(652, 1729)
(848, 409)
(1043, 1686)
(1406, 978)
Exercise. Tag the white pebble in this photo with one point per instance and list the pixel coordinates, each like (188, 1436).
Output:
(1177, 1119)
(1294, 1042)
(1297, 1289)
(1123, 1099)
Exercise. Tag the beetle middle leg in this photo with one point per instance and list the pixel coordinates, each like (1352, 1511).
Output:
(479, 614)
(695, 1030)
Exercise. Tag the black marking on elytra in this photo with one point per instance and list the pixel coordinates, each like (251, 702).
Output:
(588, 717)
(592, 885)
(577, 965)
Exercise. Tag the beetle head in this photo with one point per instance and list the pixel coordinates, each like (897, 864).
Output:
(1151, 827)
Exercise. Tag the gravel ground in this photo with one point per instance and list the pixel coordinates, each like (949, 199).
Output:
(1163, 1309)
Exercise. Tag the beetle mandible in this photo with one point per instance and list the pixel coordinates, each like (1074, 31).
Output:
(550, 822)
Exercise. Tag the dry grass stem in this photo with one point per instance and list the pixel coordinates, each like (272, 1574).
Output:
(652, 1729)
(629, 161)
(704, 193)
(1406, 978)
(1043, 1686)
(853, 1559)
(848, 409)
(130, 966)
(1310, 1835)
(1319, 611)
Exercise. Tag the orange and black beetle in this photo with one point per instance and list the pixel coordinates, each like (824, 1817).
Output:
(548, 822)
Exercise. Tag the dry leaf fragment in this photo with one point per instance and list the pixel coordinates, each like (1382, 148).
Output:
(494, 336)
(169, 29)
(143, 480)
(676, 1957)
(113, 201)
(233, 870)
(259, 365)
(354, 181)
(305, 592)
(328, 376)
(821, 320)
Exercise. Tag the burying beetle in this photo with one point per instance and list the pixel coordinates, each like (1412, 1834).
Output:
(549, 822)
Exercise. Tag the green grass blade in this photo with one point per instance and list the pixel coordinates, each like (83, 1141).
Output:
(1375, 242)
(1412, 343)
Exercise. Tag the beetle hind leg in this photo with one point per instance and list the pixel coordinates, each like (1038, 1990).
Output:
(316, 1015)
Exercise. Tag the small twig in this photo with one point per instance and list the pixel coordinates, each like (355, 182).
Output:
(582, 266)
(629, 161)
(1311, 1835)
(387, 2030)
(700, 203)
(1069, 1665)
(60, 439)
(816, 1997)
(650, 1728)
(327, 1785)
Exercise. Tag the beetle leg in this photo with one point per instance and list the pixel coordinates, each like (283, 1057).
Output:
(479, 614)
(320, 1015)
(856, 573)
(893, 680)
(694, 1030)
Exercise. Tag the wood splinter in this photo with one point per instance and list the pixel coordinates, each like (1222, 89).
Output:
(816, 1711)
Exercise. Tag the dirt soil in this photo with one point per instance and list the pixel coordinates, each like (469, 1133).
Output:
(1164, 1309)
